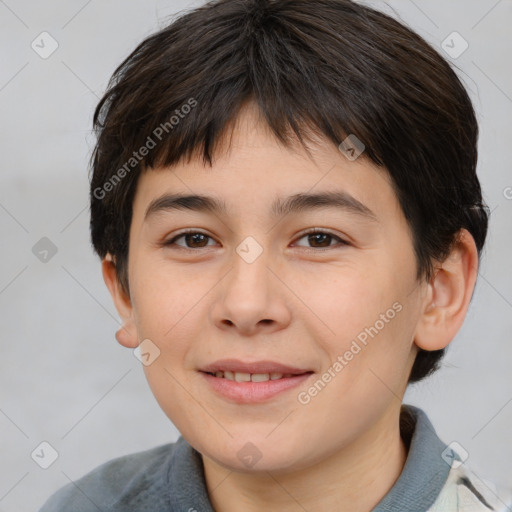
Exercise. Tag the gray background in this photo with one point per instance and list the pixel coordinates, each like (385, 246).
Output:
(64, 378)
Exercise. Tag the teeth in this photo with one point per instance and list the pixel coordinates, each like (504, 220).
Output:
(251, 377)
(260, 377)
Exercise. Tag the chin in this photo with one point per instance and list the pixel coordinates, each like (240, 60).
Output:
(250, 455)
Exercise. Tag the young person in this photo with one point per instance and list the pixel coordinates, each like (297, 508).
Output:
(285, 200)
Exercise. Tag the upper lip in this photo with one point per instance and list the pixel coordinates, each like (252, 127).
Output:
(236, 366)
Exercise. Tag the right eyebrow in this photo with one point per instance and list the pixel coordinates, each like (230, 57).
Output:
(196, 203)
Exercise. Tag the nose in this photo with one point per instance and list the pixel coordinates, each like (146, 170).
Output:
(252, 298)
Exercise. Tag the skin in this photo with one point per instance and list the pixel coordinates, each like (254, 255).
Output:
(301, 302)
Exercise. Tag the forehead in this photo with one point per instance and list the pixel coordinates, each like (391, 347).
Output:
(253, 171)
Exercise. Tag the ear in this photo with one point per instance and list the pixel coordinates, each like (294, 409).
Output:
(448, 296)
(127, 334)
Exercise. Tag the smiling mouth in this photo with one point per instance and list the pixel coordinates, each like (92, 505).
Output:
(252, 377)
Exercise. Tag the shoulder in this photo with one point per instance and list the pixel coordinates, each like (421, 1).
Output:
(464, 491)
(116, 484)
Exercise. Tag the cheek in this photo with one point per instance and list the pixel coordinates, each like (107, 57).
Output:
(365, 323)
(342, 301)
(175, 395)
(164, 298)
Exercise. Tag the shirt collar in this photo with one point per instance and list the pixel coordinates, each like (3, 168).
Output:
(425, 472)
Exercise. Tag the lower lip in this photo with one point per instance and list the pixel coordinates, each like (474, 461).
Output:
(253, 392)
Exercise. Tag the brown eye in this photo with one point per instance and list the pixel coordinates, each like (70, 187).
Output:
(321, 239)
(193, 240)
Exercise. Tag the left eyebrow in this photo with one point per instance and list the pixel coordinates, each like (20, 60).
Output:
(297, 203)
(303, 202)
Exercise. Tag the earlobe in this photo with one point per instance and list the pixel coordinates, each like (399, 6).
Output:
(127, 334)
(126, 338)
(450, 291)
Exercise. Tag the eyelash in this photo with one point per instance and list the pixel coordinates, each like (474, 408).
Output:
(172, 241)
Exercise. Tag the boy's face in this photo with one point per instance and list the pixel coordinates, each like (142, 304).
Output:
(304, 302)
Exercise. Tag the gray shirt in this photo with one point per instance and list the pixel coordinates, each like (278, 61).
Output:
(171, 478)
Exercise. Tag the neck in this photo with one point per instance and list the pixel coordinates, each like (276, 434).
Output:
(353, 479)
